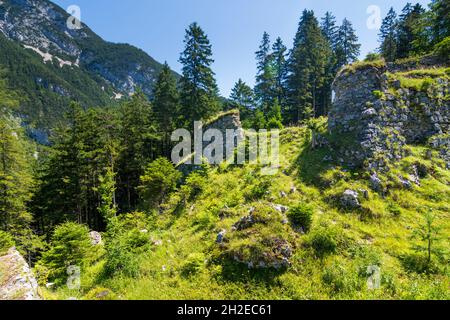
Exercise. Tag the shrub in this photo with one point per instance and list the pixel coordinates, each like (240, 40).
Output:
(301, 216)
(340, 279)
(70, 246)
(372, 56)
(274, 123)
(6, 242)
(378, 94)
(193, 264)
(323, 242)
(159, 180)
(442, 49)
(100, 294)
(123, 247)
(258, 189)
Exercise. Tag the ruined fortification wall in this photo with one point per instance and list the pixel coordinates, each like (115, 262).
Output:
(380, 116)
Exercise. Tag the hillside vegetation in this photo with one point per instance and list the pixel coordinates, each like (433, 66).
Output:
(332, 255)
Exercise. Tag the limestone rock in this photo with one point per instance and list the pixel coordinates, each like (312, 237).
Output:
(350, 199)
(17, 281)
(96, 238)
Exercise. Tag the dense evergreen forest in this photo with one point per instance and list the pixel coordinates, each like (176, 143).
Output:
(108, 169)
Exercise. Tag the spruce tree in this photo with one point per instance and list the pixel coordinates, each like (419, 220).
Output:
(388, 36)
(166, 105)
(306, 69)
(407, 35)
(279, 52)
(347, 46)
(199, 92)
(330, 29)
(440, 19)
(139, 141)
(266, 76)
(242, 98)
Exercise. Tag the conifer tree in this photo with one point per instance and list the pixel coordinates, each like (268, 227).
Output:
(279, 51)
(199, 92)
(440, 19)
(347, 46)
(407, 35)
(266, 76)
(242, 98)
(388, 36)
(330, 29)
(139, 141)
(166, 105)
(306, 68)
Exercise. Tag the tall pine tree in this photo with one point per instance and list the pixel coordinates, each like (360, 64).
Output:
(347, 46)
(279, 52)
(166, 105)
(199, 92)
(388, 36)
(306, 69)
(243, 99)
(407, 35)
(266, 76)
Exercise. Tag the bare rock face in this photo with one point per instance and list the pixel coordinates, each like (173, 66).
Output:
(17, 281)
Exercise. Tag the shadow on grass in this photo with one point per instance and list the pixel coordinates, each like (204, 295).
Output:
(236, 272)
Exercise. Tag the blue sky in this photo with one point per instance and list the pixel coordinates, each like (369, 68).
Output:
(234, 27)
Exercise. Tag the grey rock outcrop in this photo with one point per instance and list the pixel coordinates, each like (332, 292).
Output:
(17, 281)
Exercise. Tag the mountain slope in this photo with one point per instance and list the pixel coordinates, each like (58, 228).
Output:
(209, 249)
(77, 62)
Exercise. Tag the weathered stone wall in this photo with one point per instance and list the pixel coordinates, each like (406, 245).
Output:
(226, 121)
(380, 116)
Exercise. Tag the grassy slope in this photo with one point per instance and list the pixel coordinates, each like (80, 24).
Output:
(378, 234)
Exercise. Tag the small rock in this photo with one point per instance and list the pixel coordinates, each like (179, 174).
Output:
(96, 238)
(405, 183)
(221, 237)
(369, 113)
(293, 190)
(375, 183)
(143, 231)
(102, 294)
(283, 194)
(280, 208)
(350, 199)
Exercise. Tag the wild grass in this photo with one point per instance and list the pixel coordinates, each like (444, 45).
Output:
(328, 262)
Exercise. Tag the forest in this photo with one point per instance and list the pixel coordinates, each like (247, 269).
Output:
(108, 169)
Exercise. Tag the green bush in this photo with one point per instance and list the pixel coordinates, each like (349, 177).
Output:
(371, 56)
(378, 94)
(70, 246)
(323, 242)
(193, 264)
(442, 49)
(159, 180)
(6, 242)
(302, 216)
(274, 123)
(123, 249)
(340, 279)
(100, 294)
